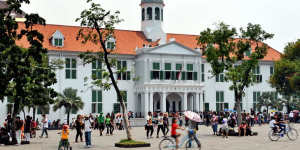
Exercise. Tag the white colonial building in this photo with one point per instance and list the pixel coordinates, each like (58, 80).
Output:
(165, 72)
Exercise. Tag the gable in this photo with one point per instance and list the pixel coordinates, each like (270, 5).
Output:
(173, 48)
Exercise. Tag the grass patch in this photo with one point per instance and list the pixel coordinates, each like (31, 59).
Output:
(131, 144)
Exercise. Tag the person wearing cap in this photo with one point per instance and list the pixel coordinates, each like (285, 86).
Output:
(101, 123)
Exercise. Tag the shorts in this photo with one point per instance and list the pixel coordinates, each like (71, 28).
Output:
(101, 126)
(226, 130)
(174, 136)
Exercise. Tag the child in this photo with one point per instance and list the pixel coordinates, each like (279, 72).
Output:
(174, 134)
(64, 137)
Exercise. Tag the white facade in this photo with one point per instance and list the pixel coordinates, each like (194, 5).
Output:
(150, 88)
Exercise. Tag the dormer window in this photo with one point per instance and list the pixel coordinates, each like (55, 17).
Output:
(248, 52)
(58, 42)
(57, 39)
(111, 44)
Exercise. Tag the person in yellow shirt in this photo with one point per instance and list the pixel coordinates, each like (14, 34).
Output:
(64, 142)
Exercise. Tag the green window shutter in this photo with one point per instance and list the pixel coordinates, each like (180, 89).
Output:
(202, 68)
(73, 63)
(99, 96)
(254, 97)
(99, 63)
(161, 75)
(119, 63)
(55, 42)
(99, 107)
(94, 74)
(206, 105)
(222, 77)
(271, 70)
(183, 75)
(222, 96)
(217, 96)
(168, 66)
(203, 77)
(125, 96)
(124, 64)
(94, 65)
(156, 66)
(217, 107)
(190, 67)
(39, 112)
(217, 78)
(73, 111)
(173, 75)
(226, 106)
(60, 42)
(195, 76)
(73, 74)
(10, 99)
(99, 74)
(68, 63)
(68, 73)
(151, 75)
(94, 96)
(116, 107)
(178, 66)
(128, 75)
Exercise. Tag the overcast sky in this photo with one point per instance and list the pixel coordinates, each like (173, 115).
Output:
(281, 17)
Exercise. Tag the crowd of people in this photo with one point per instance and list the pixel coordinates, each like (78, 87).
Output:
(222, 123)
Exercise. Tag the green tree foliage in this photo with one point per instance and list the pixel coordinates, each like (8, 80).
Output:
(268, 100)
(70, 101)
(225, 50)
(25, 74)
(286, 77)
(98, 27)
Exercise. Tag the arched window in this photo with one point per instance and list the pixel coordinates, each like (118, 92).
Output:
(143, 14)
(162, 15)
(157, 13)
(149, 13)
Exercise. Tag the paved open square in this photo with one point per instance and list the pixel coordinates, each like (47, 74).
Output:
(208, 141)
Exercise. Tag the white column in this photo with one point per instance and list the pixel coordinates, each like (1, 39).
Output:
(163, 102)
(201, 102)
(146, 101)
(185, 101)
(151, 102)
(197, 102)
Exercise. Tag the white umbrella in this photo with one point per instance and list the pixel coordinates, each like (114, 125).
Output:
(192, 116)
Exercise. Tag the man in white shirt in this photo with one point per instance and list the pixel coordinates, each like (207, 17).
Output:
(291, 116)
(225, 129)
(44, 126)
(87, 131)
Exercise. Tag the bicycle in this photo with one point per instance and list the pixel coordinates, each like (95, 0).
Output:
(190, 141)
(291, 133)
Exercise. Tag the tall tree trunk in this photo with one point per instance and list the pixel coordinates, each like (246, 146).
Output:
(112, 78)
(238, 98)
(14, 115)
(68, 117)
(33, 113)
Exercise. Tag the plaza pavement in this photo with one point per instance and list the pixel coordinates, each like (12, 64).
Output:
(209, 142)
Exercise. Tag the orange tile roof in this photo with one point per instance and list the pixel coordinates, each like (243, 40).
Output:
(126, 41)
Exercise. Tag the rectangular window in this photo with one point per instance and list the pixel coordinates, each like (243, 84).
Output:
(96, 70)
(71, 65)
(202, 73)
(189, 73)
(220, 77)
(256, 96)
(257, 75)
(168, 74)
(220, 101)
(123, 73)
(179, 72)
(58, 42)
(206, 107)
(117, 106)
(271, 70)
(156, 74)
(97, 102)
(248, 52)
(110, 45)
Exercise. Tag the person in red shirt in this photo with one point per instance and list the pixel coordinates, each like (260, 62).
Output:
(243, 128)
(174, 134)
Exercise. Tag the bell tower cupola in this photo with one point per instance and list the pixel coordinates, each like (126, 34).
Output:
(152, 20)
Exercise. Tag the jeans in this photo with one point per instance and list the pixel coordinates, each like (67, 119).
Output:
(166, 128)
(215, 128)
(44, 131)
(282, 127)
(78, 134)
(160, 127)
(18, 136)
(88, 138)
(149, 130)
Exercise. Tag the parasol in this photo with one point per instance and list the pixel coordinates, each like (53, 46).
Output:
(192, 116)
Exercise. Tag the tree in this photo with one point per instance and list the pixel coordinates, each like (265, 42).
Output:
(286, 77)
(225, 50)
(268, 100)
(70, 101)
(24, 72)
(97, 27)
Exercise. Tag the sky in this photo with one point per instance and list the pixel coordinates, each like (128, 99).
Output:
(280, 17)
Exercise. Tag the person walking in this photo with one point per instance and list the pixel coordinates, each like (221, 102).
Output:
(108, 123)
(214, 121)
(166, 124)
(160, 124)
(78, 126)
(101, 123)
(27, 129)
(44, 126)
(87, 131)
(149, 126)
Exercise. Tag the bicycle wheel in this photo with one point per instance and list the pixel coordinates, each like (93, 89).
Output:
(273, 136)
(167, 144)
(193, 145)
(292, 134)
